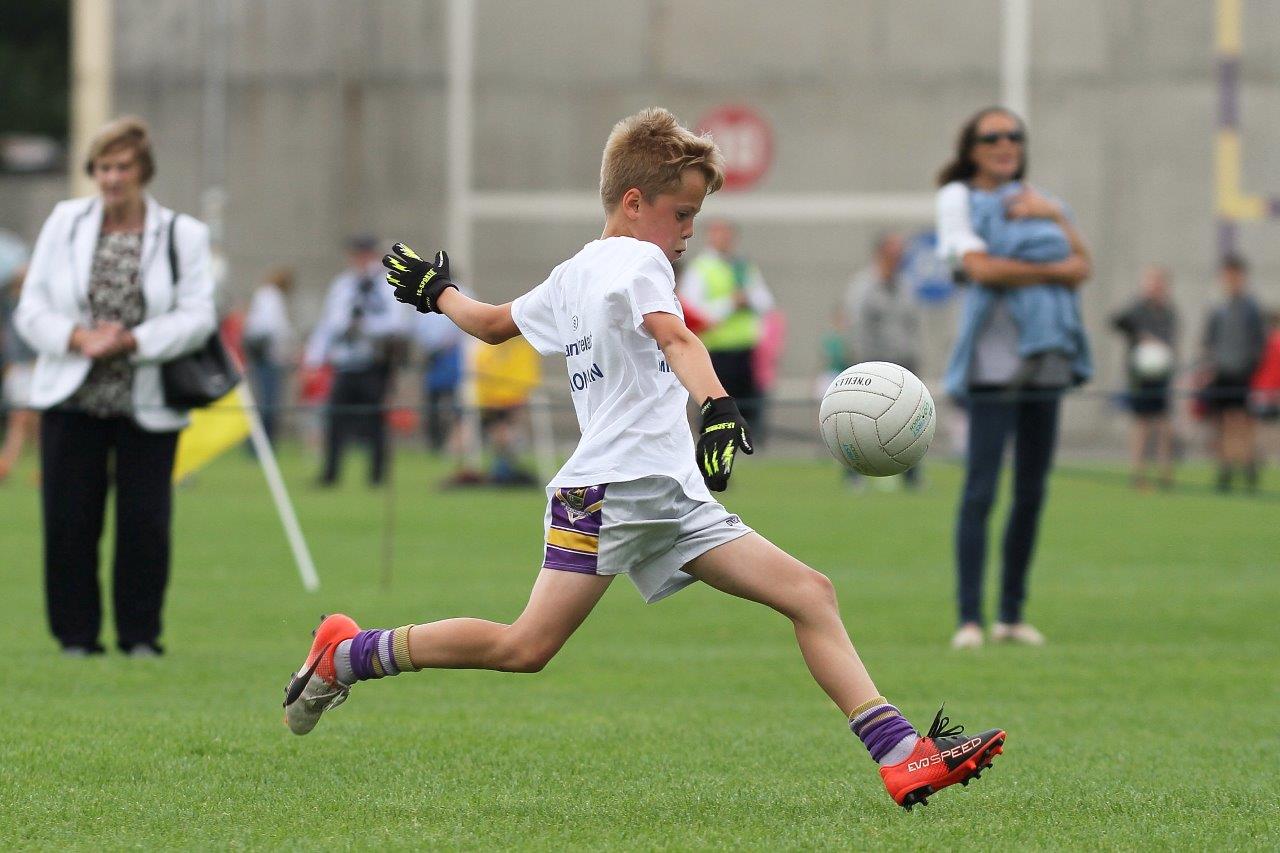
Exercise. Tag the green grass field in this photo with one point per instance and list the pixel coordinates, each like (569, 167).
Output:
(1150, 721)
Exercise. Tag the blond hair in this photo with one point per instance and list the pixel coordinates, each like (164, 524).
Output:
(126, 132)
(649, 151)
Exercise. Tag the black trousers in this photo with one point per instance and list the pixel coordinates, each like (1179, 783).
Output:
(355, 412)
(439, 412)
(736, 372)
(1033, 423)
(82, 457)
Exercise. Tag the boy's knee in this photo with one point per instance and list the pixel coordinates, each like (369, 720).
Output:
(820, 588)
(811, 592)
(526, 656)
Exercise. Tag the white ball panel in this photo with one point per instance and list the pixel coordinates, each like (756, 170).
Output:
(884, 369)
(898, 415)
(875, 462)
(832, 440)
(868, 403)
(894, 425)
(921, 430)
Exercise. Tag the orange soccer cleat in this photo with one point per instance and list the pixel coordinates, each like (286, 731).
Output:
(943, 757)
(315, 688)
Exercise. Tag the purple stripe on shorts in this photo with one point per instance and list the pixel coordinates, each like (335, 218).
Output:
(570, 561)
(569, 511)
(569, 505)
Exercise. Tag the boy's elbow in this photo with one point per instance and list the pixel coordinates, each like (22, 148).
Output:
(673, 335)
(496, 332)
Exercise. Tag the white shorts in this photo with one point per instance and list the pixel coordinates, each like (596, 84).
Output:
(647, 529)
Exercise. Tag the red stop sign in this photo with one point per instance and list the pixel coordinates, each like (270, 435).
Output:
(746, 141)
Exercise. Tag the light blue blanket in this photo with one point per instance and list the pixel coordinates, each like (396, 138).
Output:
(1047, 315)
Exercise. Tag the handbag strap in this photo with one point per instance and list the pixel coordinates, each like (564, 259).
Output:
(173, 250)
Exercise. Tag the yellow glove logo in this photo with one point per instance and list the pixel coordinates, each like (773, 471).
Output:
(426, 279)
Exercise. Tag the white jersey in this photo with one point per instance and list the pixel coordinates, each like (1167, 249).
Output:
(630, 406)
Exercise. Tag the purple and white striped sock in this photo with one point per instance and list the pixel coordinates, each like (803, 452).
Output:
(883, 730)
(375, 653)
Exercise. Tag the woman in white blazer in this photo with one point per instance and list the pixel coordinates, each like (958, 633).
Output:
(104, 310)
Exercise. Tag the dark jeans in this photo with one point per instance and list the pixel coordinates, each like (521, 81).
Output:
(267, 378)
(1034, 426)
(76, 453)
(736, 372)
(355, 411)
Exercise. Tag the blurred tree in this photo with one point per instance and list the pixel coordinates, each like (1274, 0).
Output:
(35, 45)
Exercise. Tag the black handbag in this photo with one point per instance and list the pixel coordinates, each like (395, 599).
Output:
(196, 379)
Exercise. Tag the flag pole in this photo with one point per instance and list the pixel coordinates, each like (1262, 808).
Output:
(284, 507)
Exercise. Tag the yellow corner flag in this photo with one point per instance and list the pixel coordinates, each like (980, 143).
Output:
(212, 430)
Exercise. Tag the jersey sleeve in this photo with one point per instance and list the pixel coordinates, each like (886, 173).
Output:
(651, 287)
(534, 315)
(956, 236)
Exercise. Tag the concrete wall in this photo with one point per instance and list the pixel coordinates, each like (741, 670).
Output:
(336, 111)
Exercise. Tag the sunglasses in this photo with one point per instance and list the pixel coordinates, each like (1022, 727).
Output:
(1015, 136)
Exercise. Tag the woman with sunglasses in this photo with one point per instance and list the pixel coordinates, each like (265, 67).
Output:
(1021, 343)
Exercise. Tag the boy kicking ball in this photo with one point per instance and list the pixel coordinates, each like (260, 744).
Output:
(633, 499)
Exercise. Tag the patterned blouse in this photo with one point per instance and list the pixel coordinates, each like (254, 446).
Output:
(115, 295)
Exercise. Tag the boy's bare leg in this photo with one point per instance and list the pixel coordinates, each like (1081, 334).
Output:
(753, 568)
(341, 654)
(912, 767)
(559, 603)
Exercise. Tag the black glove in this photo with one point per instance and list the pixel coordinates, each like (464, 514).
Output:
(724, 433)
(417, 282)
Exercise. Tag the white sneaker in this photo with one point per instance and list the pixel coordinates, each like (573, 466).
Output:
(315, 687)
(1019, 632)
(318, 696)
(969, 636)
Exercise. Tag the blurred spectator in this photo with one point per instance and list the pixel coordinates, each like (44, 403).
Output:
(884, 321)
(883, 318)
(1021, 344)
(729, 294)
(21, 421)
(505, 377)
(268, 344)
(359, 330)
(835, 349)
(1265, 388)
(1150, 327)
(1234, 339)
(102, 308)
(441, 343)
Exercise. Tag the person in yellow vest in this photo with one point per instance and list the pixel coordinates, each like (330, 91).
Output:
(729, 292)
(505, 376)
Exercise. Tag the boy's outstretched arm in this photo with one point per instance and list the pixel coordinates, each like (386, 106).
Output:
(428, 287)
(685, 355)
(492, 324)
(724, 431)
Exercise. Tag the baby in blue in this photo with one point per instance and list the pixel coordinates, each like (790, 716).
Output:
(1047, 315)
